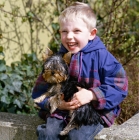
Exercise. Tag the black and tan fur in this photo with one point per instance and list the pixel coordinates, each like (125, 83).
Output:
(55, 73)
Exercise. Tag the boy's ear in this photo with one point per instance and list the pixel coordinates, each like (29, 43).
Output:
(67, 57)
(46, 54)
(93, 34)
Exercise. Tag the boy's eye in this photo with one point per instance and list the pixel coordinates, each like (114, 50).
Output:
(77, 31)
(64, 31)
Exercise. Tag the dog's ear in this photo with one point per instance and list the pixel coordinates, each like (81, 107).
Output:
(47, 54)
(67, 57)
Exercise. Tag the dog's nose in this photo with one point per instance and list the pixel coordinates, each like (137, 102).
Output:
(52, 72)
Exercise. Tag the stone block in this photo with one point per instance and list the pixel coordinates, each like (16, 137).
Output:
(18, 127)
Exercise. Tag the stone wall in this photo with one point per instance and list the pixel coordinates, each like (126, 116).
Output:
(126, 131)
(22, 127)
(18, 127)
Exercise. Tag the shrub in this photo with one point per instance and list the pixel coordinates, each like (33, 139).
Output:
(16, 82)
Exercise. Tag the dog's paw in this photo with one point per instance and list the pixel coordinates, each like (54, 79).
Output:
(53, 103)
(63, 133)
(40, 99)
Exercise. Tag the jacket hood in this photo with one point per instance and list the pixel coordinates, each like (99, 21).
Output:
(93, 45)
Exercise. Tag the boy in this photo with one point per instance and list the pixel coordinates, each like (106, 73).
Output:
(91, 63)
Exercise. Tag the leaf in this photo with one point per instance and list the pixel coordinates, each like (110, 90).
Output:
(1, 53)
(55, 26)
(29, 71)
(4, 91)
(12, 109)
(1, 49)
(3, 76)
(30, 14)
(15, 76)
(18, 103)
(2, 66)
(22, 98)
(17, 85)
(34, 57)
(10, 88)
(5, 99)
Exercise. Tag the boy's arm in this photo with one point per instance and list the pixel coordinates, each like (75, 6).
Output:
(39, 89)
(114, 84)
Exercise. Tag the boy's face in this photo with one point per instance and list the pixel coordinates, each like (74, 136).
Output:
(75, 35)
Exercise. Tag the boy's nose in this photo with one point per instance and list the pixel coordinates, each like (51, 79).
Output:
(69, 35)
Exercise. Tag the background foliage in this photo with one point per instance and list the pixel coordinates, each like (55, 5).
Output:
(16, 82)
(118, 27)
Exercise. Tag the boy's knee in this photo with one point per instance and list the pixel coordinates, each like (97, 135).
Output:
(41, 131)
(51, 129)
(74, 135)
(54, 126)
(48, 131)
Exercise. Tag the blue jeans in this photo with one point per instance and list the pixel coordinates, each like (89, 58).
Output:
(51, 130)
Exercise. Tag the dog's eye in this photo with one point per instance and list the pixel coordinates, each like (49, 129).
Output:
(62, 69)
(46, 68)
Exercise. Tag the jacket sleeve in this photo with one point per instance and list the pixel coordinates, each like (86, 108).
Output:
(40, 88)
(114, 83)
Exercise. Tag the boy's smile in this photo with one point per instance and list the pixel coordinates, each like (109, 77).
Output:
(72, 46)
(74, 34)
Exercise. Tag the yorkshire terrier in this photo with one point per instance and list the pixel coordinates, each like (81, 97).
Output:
(55, 73)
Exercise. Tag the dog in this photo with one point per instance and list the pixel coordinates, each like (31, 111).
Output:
(85, 114)
(55, 73)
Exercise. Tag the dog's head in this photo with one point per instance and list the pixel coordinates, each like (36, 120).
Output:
(55, 67)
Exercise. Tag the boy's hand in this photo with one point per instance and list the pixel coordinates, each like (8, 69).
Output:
(83, 96)
(67, 105)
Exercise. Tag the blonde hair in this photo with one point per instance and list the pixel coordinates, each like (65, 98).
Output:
(79, 10)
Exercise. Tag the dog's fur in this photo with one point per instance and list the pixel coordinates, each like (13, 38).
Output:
(85, 114)
(55, 73)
